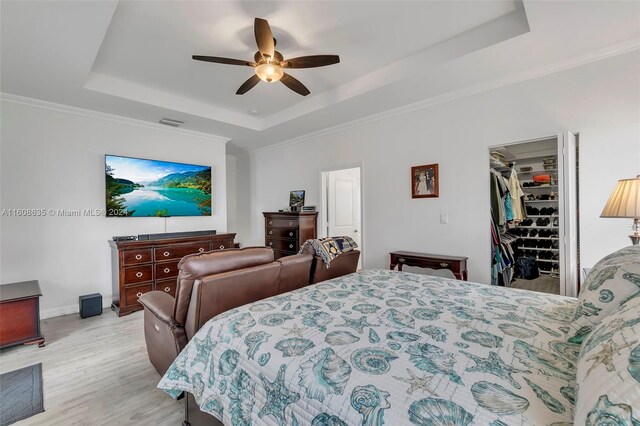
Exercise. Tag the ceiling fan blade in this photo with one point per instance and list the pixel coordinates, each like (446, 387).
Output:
(295, 85)
(248, 85)
(227, 61)
(264, 37)
(311, 61)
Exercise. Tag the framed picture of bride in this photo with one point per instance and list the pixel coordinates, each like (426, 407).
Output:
(424, 181)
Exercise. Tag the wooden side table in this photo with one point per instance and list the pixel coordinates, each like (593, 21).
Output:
(20, 314)
(456, 264)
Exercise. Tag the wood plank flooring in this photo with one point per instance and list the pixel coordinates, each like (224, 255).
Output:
(95, 372)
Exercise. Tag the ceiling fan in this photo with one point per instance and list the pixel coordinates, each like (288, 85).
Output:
(269, 64)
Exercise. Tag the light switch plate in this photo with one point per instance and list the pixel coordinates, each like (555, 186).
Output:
(444, 218)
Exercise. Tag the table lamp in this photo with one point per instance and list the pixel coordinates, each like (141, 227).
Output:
(625, 202)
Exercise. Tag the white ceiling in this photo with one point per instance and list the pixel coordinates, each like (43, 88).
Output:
(133, 58)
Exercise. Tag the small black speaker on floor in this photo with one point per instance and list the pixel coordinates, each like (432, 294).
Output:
(90, 305)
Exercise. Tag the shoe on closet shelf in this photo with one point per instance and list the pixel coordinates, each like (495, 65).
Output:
(556, 222)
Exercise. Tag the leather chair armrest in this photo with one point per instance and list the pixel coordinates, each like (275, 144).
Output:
(159, 304)
(295, 272)
(344, 264)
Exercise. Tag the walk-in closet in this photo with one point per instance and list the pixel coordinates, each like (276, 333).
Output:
(533, 203)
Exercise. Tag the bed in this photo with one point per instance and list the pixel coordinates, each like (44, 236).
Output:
(386, 347)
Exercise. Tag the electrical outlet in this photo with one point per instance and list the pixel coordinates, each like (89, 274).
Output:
(444, 218)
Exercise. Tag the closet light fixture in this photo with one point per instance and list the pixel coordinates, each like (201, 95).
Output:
(624, 202)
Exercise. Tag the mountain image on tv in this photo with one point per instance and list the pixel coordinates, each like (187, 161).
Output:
(138, 187)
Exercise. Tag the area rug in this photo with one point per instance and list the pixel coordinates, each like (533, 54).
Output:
(20, 394)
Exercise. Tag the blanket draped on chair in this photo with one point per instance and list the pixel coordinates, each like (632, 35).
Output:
(329, 248)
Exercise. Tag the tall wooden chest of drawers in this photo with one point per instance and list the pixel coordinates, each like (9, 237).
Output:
(141, 266)
(285, 232)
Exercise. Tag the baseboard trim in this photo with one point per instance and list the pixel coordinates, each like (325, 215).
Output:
(69, 309)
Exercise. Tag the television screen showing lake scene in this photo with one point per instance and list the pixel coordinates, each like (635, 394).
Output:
(138, 187)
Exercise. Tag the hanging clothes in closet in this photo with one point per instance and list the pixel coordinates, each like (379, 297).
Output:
(517, 196)
(507, 210)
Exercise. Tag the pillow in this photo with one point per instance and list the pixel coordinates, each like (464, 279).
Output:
(613, 281)
(608, 372)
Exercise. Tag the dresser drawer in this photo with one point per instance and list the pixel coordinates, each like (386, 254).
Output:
(167, 270)
(284, 245)
(221, 245)
(133, 293)
(282, 222)
(134, 257)
(167, 286)
(138, 274)
(427, 263)
(290, 233)
(178, 252)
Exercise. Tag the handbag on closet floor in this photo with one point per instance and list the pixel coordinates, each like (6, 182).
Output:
(528, 268)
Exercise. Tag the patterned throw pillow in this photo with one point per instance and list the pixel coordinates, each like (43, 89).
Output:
(613, 281)
(608, 377)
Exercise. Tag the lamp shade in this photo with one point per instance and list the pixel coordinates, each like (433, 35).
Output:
(625, 200)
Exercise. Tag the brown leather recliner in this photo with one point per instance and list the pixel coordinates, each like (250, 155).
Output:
(212, 283)
(345, 263)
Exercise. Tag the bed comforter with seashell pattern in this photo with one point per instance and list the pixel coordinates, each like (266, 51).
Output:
(385, 347)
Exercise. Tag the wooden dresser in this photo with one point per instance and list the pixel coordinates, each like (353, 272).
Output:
(456, 264)
(141, 266)
(20, 314)
(285, 232)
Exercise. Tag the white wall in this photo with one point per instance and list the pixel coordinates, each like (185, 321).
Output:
(232, 216)
(600, 100)
(53, 158)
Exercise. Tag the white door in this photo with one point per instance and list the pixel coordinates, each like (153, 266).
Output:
(343, 204)
(568, 206)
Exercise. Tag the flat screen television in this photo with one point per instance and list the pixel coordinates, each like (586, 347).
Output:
(137, 187)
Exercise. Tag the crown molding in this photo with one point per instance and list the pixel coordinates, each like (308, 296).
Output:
(39, 103)
(509, 80)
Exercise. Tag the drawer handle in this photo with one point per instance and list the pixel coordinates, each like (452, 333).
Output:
(138, 294)
(270, 232)
(201, 249)
(167, 289)
(167, 270)
(166, 253)
(290, 245)
(270, 243)
(291, 234)
(222, 246)
(444, 265)
(402, 260)
(290, 223)
(138, 256)
(270, 222)
(138, 274)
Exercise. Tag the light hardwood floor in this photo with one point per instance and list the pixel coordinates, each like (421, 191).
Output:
(95, 372)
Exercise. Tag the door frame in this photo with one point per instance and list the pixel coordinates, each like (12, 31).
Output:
(322, 214)
(569, 254)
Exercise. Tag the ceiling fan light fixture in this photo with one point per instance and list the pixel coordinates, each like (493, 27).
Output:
(269, 72)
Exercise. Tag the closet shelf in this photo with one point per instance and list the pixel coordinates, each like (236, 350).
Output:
(542, 172)
(547, 260)
(538, 227)
(540, 201)
(539, 187)
(542, 215)
(538, 238)
(539, 249)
